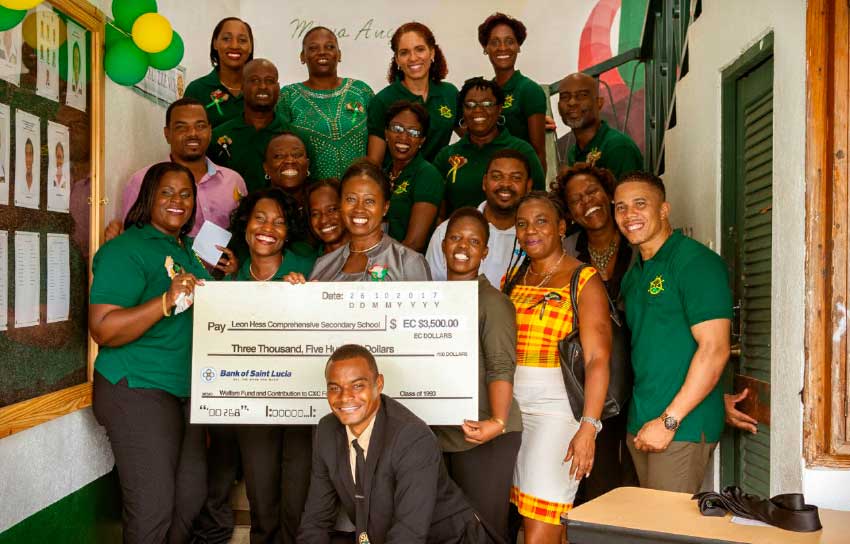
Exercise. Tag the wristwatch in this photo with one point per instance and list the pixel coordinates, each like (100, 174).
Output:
(670, 422)
(595, 422)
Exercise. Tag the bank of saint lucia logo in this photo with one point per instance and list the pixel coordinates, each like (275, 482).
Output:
(208, 374)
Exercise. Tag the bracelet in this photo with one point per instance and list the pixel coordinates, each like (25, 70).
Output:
(165, 311)
(500, 422)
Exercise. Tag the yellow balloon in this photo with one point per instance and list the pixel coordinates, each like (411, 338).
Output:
(20, 4)
(152, 33)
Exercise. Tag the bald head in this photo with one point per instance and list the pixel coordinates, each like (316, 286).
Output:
(260, 85)
(579, 101)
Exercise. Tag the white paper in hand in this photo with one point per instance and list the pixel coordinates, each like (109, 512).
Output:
(208, 237)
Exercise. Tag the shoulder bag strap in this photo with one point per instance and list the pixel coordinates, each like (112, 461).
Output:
(574, 292)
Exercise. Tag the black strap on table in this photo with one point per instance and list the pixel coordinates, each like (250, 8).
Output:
(788, 511)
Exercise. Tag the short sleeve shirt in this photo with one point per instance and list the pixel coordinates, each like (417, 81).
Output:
(219, 192)
(682, 285)
(441, 106)
(612, 149)
(239, 146)
(221, 105)
(419, 181)
(523, 98)
(131, 270)
(463, 165)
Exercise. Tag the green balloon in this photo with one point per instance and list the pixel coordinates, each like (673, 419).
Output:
(112, 35)
(125, 63)
(127, 11)
(170, 56)
(10, 18)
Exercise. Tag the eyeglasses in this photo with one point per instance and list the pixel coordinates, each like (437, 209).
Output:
(412, 132)
(471, 105)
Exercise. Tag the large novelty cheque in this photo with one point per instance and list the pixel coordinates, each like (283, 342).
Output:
(260, 348)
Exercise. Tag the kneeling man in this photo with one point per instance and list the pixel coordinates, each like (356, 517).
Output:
(381, 464)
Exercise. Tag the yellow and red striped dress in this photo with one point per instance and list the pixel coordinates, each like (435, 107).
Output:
(542, 487)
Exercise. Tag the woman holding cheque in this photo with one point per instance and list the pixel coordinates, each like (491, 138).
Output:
(141, 317)
(556, 451)
(266, 221)
(480, 455)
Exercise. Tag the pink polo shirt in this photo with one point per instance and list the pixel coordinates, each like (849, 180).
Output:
(219, 192)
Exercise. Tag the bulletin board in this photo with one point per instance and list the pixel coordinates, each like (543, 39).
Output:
(51, 208)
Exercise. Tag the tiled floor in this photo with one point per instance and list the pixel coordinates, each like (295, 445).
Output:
(242, 533)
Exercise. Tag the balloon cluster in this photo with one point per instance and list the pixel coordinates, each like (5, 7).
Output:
(139, 38)
(12, 12)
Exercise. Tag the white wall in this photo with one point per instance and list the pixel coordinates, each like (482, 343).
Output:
(46, 463)
(549, 53)
(693, 175)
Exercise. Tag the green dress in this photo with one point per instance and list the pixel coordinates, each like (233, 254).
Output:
(221, 105)
(332, 123)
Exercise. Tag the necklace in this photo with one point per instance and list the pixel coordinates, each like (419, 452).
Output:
(251, 270)
(600, 259)
(367, 250)
(233, 90)
(547, 275)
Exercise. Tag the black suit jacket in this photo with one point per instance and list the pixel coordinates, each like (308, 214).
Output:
(410, 497)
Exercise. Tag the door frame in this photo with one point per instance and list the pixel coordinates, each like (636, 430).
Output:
(745, 63)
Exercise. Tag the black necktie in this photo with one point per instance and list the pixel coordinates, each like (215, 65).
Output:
(362, 515)
(788, 511)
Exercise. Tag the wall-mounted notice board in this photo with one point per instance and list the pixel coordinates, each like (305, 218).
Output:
(51, 160)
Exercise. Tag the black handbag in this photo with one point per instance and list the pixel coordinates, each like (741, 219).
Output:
(572, 359)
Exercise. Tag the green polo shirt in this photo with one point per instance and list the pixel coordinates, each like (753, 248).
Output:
(419, 181)
(463, 185)
(441, 106)
(617, 152)
(207, 89)
(128, 271)
(240, 146)
(683, 284)
(292, 262)
(523, 98)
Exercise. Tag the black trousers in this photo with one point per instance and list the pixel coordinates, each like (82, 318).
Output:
(485, 474)
(160, 457)
(295, 478)
(276, 465)
(259, 449)
(612, 462)
(215, 522)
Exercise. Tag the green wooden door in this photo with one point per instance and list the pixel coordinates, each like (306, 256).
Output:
(747, 212)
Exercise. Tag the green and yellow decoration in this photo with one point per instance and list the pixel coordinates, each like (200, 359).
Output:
(12, 12)
(138, 39)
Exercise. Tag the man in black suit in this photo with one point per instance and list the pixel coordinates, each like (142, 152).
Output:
(382, 465)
